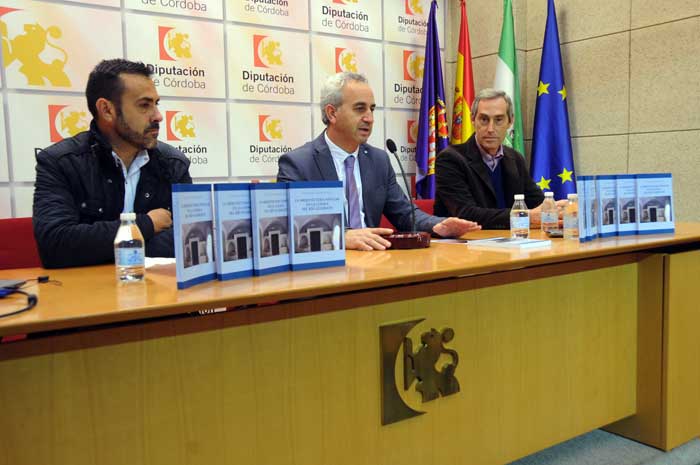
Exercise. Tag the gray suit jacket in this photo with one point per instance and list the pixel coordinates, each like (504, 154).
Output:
(380, 192)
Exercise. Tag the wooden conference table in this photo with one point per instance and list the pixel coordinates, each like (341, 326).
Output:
(552, 343)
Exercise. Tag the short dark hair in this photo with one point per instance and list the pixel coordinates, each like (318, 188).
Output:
(104, 81)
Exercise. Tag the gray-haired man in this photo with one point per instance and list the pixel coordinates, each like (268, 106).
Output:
(478, 179)
(342, 153)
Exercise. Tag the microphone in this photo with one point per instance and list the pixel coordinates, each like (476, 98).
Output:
(413, 239)
(391, 145)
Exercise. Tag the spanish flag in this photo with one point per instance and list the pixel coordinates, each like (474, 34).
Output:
(464, 85)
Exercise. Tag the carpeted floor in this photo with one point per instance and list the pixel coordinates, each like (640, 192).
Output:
(601, 448)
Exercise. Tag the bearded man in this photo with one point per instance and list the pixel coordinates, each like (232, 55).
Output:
(84, 183)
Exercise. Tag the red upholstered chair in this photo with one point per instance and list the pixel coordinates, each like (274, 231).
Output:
(17, 250)
(427, 205)
(424, 204)
(17, 245)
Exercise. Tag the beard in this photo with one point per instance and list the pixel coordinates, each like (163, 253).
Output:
(141, 140)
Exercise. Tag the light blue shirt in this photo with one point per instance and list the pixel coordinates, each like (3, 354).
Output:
(339, 155)
(131, 177)
(491, 160)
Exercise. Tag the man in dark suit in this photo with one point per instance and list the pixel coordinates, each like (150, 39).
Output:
(478, 179)
(347, 105)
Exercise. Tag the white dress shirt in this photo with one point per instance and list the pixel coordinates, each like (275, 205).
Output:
(339, 155)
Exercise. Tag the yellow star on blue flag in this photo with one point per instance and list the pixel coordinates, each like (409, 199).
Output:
(563, 93)
(565, 175)
(544, 183)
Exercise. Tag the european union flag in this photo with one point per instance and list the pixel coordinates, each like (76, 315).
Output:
(552, 158)
(433, 135)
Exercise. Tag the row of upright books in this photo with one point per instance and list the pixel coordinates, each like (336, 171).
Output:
(623, 204)
(234, 230)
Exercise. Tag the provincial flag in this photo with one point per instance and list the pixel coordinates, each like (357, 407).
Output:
(433, 135)
(552, 158)
(462, 127)
(507, 78)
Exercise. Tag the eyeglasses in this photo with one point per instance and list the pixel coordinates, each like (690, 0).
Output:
(498, 120)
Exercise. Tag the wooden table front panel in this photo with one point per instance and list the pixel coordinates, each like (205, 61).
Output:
(541, 361)
(681, 349)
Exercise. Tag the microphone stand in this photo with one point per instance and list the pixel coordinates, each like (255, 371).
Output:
(413, 239)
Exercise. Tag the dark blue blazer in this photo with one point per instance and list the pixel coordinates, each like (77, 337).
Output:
(380, 192)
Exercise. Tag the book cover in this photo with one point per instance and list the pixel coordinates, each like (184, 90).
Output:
(193, 234)
(606, 192)
(626, 187)
(316, 224)
(509, 243)
(584, 210)
(581, 201)
(590, 208)
(234, 233)
(270, 222)
(655, 203)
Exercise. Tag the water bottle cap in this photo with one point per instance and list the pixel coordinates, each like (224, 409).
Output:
(519, 196)
(549, 194)
(127, 216)
(572, 196)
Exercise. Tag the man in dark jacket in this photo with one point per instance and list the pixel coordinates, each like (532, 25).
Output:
(477, 180)
(85, 182)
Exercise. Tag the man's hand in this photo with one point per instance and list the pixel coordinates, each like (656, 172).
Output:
(536, 213)
(455, 227)
(162, 219)
(367, 239)
(536, 217)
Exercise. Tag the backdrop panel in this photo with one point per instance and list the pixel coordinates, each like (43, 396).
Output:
(239, 80)
(260, 134)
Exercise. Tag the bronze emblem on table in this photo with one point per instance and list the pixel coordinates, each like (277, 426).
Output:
(418, 367)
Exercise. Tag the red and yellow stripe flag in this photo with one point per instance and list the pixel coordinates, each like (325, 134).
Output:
(464, 85)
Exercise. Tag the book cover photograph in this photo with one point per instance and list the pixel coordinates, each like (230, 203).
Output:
(316, 224)
(234, 247)
(607, 204)
(626, 187)
(270, 228)
(193, 232)
(655, 203)
(590, 207)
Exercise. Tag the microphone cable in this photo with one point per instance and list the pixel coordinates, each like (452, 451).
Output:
(32, 300)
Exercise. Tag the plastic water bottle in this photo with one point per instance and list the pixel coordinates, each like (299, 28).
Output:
(549, 213)
(519, 218)
(571, 217)
(129, 256)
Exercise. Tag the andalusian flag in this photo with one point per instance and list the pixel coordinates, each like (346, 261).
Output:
(552, 158)
(464, 85)
(433, 135)
(507, 77)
